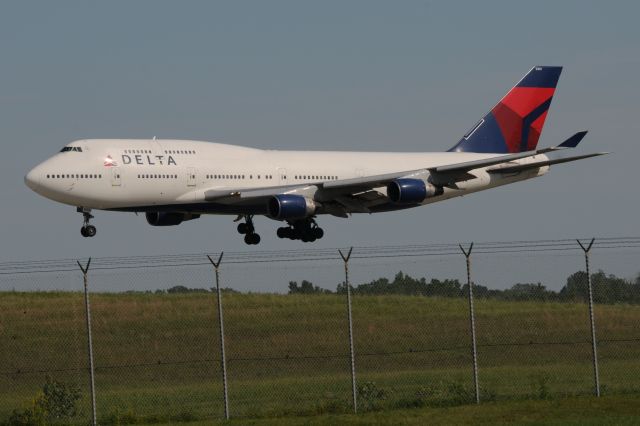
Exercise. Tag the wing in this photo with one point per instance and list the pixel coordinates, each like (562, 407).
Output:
(359, 195)
(536, 164)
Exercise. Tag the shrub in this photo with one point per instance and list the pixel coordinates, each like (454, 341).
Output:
(56, 401)
(370, 396)
(540, 385)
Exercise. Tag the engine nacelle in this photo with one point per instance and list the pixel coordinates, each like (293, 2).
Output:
(411, 191)
(168, 218)
(286, 206)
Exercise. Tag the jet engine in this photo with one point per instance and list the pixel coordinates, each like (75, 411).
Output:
(411, 191)
(168, 218)
(287, 206)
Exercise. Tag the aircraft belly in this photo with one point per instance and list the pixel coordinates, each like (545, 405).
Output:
(198, 208)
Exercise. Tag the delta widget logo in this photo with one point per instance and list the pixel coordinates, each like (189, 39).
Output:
(110, 162)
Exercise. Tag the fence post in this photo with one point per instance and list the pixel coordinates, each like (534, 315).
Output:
(594, 350)
(467, 255)
(223, 358)
(87, 307)
(351, 349)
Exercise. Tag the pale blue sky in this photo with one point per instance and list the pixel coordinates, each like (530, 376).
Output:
(357, 75)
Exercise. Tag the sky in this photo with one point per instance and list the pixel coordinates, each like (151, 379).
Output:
(330, 75)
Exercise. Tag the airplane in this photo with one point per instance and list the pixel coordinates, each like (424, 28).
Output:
(173, 181)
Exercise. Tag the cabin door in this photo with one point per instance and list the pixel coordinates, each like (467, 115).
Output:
(116, 178)
(191, 176)
(282, 176)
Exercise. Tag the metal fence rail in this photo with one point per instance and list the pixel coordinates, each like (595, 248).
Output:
(272, 338)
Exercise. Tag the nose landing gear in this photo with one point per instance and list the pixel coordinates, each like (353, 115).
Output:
(249, 231)
(87, 229)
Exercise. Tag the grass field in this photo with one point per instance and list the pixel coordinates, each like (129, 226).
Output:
(608, 410)
(157, 356)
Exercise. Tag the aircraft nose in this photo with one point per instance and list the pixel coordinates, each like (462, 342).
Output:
(32, 179)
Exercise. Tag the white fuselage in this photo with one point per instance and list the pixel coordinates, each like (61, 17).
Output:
(124, 174)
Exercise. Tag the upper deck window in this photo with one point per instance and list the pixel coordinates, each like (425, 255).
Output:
(71, 148)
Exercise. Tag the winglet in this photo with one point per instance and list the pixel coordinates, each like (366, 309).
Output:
(573, 141)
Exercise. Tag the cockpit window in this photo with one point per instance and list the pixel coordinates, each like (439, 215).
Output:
(71, 148)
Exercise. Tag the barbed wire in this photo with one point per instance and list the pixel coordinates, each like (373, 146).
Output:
(308, 255)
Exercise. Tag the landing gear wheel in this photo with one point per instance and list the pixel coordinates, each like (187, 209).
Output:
(87, 229)
(247, 228)
(252, 239)
(243, 228)
(283, 232)
(90, 230)
(305, 230)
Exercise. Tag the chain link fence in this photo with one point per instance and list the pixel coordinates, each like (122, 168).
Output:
(157, 345)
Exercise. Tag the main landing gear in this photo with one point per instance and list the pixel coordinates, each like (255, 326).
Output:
(305, 230)
(87, 229)
(249, 231)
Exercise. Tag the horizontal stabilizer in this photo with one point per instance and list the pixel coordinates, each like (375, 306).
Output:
(573, 141)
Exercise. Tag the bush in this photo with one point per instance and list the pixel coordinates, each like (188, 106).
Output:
(540, 385)
(330, 406)
(55, 402)
(370, 396)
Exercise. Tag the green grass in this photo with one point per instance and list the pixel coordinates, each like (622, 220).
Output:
(608, 410)
(158, 355)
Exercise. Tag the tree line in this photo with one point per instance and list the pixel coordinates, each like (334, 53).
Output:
(606, 289)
